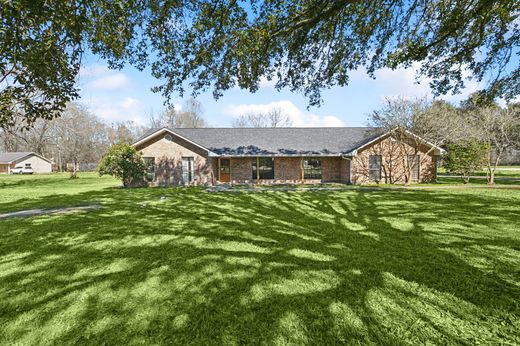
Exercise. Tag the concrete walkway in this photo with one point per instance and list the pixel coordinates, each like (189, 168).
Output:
(267, 188)
(214, 189)
(36, 212)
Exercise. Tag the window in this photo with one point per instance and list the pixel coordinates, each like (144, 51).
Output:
(374, 167)
(187, 169)
(27, 165)
(312, 168)
(149, 163)
(262, 168)
(413, 162)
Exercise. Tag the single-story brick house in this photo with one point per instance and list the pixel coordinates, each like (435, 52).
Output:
(38, 163)
(350, 155)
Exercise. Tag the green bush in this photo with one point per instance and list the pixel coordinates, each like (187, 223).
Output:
(465, 158)
(124, 162)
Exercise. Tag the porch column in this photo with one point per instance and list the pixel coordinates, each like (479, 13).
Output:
(218, 169)
(302, 174)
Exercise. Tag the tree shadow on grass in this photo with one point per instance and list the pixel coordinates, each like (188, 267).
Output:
(49, 190)
(383, 267)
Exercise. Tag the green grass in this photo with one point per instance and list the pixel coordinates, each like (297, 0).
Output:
(305, 267)
(48, 190)
(508, 173)
(473, 182)
(502, 171)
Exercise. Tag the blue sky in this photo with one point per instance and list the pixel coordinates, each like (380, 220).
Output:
(122, 95)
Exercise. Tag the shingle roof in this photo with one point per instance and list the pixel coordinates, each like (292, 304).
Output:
(13, 156)
(285, 141)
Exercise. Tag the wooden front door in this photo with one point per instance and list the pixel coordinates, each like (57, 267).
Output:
(224, 170)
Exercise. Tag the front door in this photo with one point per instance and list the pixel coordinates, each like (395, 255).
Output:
(224, 170)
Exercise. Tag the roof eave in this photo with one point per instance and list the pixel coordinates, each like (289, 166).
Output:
(436, 147)
(24, 157)
(279, 155)
(165, 129)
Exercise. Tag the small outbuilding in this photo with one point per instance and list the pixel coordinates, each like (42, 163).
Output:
(38, 163)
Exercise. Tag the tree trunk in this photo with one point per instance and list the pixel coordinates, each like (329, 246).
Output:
(74, 172)
(407, 176)
(491, 176)
(492, 168)
(385, 173)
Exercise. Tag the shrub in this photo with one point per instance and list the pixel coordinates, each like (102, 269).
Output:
(124, 162)
(465, 158)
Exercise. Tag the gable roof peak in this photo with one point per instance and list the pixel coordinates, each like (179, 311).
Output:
(12, 156)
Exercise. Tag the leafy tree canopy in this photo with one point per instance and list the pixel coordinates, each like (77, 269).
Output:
(304, 45)
(124, 162)
(466, 157)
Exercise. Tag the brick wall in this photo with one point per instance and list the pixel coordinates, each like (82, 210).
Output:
(287, 169)
(241, 169)
(168, 159)
(393, 162)
(331, 169)
(344, 171)
(168, 156)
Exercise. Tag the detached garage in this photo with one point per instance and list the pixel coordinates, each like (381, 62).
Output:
(39, 164)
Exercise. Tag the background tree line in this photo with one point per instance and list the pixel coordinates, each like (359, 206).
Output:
(76, 137)
(489, 132)
(79, 138)
(475, 134)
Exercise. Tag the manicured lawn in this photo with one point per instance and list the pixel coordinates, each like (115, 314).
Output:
(475, 181)
(502, 171)
(305, 267)
(48, 190)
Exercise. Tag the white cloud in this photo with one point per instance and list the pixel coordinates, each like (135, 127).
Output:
(98, 77)
(298, 117)
(130, 103)
(403, 82)
(93, 70)
(113, 110)
(104, 94)
(113, 81)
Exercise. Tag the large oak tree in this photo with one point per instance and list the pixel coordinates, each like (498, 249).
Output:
(304, 45)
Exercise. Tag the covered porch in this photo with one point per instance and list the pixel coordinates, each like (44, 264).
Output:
(283, 170)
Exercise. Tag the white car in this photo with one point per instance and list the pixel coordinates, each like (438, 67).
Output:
(22, 170)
